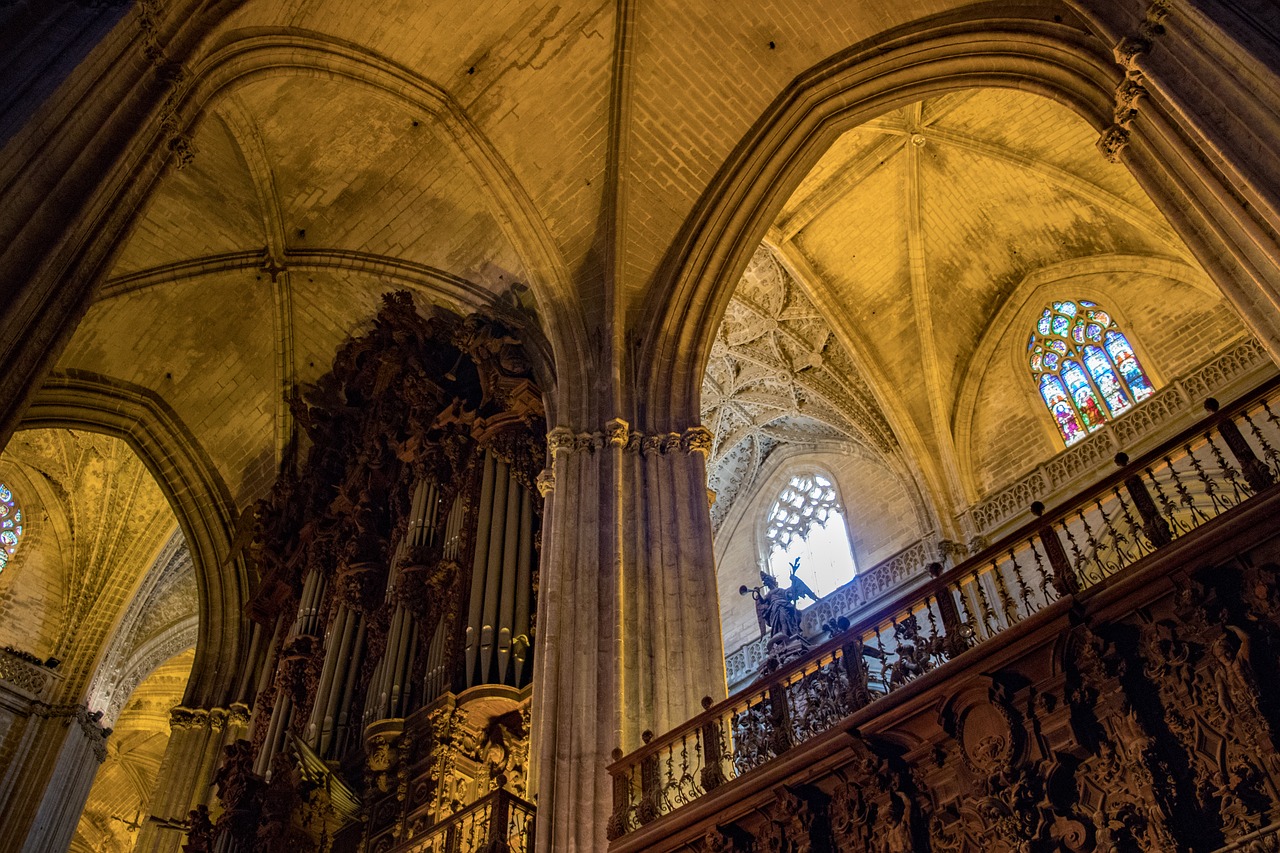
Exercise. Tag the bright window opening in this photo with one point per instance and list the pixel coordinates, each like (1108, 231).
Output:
(807, 523)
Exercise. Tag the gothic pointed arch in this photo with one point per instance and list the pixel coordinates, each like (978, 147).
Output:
(200, 499)
(1049, 58)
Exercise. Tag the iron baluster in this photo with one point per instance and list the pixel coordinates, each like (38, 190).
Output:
(1045, 577)
(1228, 472)
(884, 660)
(1140, 541)
(1154, 528)
(935, 642)
(988, 615)
(1206, 482)
(1256, 473)
(1196, 514)
(1092, 541)
(1002, 592)
(1168, 508)
(957, 636)
(1268, 451)
(1118, 543)
(1025, 593)
(970, 623)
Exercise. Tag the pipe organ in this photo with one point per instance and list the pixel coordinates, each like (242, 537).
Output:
(398, 555)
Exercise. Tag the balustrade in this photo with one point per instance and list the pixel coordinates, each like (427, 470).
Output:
(1185, 484)
(498, 823)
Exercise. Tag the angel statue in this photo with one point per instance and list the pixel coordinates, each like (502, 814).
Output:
(777, 613)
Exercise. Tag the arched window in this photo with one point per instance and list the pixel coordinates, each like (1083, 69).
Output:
(1085, 368)
(807, 522)
(10, 526)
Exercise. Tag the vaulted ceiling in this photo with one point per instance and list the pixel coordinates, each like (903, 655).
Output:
(95, 521)
(902, 244)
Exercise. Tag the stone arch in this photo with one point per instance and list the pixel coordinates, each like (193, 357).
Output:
(61, 275)
(973, 49)
(206, 513)
(241, 60)
(1019, 311)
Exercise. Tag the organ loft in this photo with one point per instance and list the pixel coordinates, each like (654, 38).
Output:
(639, 426)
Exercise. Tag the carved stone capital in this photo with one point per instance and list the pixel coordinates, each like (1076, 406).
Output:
(546, 482)
(1113, 140)
(617, 431)
(697, 439)
(560, 438)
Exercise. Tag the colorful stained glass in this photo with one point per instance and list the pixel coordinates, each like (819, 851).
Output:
(1082, 394)
(1127, 363)
(1096, 372)
(10, 526)
(1055, 397)
(1106, 380)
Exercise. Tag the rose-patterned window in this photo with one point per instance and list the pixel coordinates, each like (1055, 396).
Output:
(807, 522)
(10, 526)
(1084, 367)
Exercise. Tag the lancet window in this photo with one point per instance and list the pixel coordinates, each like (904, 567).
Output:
(807, 522)
(10, 525)
(1084, 367)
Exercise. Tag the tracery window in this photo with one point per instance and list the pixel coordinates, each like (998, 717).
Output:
(807, 522)
(1085, 368)
(10, 526)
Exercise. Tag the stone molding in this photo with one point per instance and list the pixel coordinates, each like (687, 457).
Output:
(89, 722)
(182, 718)
(1163, 408)
(1128, 51)
(618, 433)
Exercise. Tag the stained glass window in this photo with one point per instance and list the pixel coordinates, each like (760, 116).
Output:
(1085, 367)
(807, 521)
(10, 526)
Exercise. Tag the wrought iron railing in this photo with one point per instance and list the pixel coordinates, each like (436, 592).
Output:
(500, 822)
(866, 588)
(1187, 482)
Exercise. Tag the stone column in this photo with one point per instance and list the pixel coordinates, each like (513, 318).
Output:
(196, 740)
(1197, 120)
(628, 635)
(56, 757)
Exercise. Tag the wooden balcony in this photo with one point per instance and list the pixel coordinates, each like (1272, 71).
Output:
(1085, 683)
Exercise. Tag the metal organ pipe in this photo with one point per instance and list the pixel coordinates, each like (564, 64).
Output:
(501, 580)
(480, 563)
